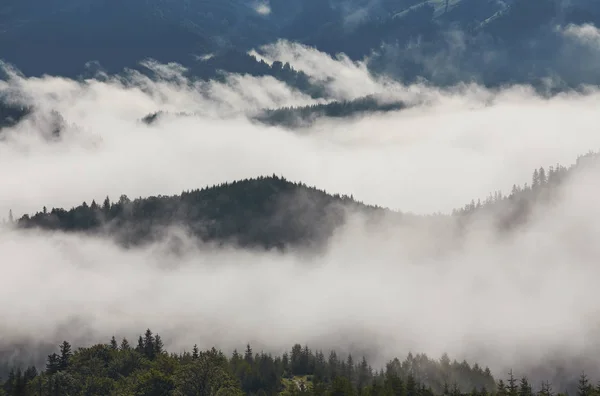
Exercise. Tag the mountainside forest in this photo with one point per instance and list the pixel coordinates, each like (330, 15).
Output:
(272, 212)
(146, 368)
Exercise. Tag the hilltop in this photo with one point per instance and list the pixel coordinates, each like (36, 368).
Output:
(267, 212)
(272, 212)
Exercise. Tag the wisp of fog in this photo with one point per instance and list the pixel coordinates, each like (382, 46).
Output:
(502, 301)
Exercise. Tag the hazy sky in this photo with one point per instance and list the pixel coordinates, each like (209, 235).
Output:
(501, 301)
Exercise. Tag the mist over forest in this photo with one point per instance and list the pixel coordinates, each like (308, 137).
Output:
(282, 197)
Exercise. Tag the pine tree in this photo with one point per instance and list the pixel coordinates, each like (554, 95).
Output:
(411, 385)
(455, 390)
(501, 388)
(106, 205)
(546, 389)
(113, 344)
(158, 345)
(525, 388)
(364, 373)
(196, 353)
(513, 389)
(148, 345)
(584, 388)
(542, 176)
(248, 354)
(65, 355)
(350, 368)
(446, 389)
(125, 345)
(52, 364)
(30, 373)
(535, 179)
(140, 345)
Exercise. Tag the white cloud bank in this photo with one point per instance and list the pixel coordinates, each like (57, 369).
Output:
(509, 297)
(465, 142)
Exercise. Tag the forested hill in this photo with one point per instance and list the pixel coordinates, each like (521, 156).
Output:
(513, 209)
(146, 368)
(293, 117)
(272, 212)
(268, 212)
(305, 116)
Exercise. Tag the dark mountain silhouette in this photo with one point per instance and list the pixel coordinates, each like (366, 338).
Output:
(303, 116)
(294, 117)
(272, 212)
(268, 212)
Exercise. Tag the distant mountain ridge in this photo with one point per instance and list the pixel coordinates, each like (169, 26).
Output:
(407, 36)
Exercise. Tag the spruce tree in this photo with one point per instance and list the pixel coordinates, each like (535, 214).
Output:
(513, 389)
(52, 364)
(158, 345)
(125, 345)
(584, 388)
(65, 355)
(149, 345)
(525, 388)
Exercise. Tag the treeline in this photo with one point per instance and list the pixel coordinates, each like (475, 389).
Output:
(145, 368)
(267, 212)
(272, 212)
(293, 117)
(514, 209)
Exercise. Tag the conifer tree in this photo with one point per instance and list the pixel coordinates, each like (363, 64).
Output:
(513, 389)
(546, 389)
(140, 345)
(584, 388)
(248, 357)
(525, 388)
(149, 344)
(125, 345)
(65, 355)
(158, 345)
(113, 344)
(52, 364)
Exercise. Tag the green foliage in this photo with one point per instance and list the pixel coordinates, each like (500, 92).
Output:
(102, 369)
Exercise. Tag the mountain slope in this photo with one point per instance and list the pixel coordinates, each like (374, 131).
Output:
(266, 212)
(271, 212)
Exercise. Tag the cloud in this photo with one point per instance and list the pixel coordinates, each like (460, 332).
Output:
(344, 78)
(477, 141)
(586, 33)
(502, 301)
(262, 8)
(388, 289)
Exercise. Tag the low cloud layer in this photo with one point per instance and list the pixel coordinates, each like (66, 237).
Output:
(500, 301)
(466, 141)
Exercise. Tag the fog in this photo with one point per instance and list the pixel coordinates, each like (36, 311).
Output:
(466, 141)
(501, 301)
